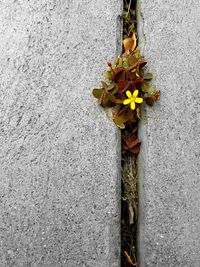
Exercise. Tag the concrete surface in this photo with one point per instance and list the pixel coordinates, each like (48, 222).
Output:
(59, 153)
(170, 161)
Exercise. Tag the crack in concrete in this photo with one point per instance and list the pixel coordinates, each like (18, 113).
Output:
(140, 26)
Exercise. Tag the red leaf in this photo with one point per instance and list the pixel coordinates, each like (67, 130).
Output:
(132, 141)
(118, 74)
(138, 80)
(132, 144)
(122, 84)
(140, 65)
(135, 150)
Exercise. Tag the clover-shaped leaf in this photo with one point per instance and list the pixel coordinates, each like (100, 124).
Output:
(122, 117)
(150, 100)
(132, 144)
(148, 76)
(105, 95)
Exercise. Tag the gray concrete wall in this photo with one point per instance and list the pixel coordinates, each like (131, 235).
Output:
(59, 153)
(169, 222)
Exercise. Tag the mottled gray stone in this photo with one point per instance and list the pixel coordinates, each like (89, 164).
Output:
(169, 164)
(59, 152)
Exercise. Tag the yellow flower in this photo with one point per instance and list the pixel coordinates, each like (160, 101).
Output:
(132, 99)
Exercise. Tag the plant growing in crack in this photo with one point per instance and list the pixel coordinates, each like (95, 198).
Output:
(125, 90)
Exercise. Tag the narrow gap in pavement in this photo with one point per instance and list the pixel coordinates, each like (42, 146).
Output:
(129, 202)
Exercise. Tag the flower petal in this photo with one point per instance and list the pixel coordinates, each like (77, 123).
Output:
(128, 93)
(132, 105)
(135, 93)
(137, 74)
(138, 100)
(127, 101)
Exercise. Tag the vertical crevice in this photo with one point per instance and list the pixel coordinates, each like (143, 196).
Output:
(129, 184)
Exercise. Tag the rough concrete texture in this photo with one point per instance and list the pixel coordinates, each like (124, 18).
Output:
(59, 152)
(170, 160)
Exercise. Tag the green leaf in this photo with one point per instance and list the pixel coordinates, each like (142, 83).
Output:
(123, 116)
(125, 63)
(104, 85)
(97, 93)
(131, 29)
(110, 86)
(153, 88)
(105, 100)
(108, 74)
(149, 88)
(114, 90)
(119, 121)
(148, 76)
(132, 60)
(137, 53)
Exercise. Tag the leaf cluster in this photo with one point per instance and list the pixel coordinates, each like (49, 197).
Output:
(126, 73)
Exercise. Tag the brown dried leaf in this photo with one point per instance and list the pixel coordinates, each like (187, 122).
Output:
(130, 43)
(138, 113)
(129, 259)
